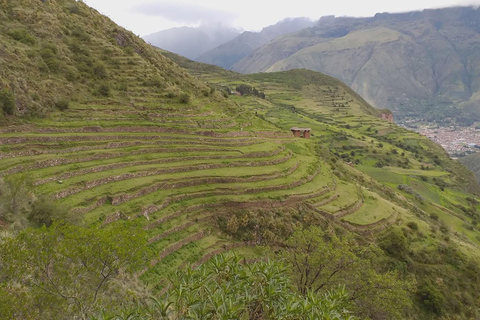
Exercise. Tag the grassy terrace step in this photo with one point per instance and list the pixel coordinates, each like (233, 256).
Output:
(210, 200)
(9, 139)
(172, 180)
(324, 200)
(19, 164)
(349, 195)
(184, 254)
(129, 129)
(188, 186)
(38, 149)
(374, 209)
(43, 161)
(96, 162)
(178, 225)
(177, 245)
(214, 160)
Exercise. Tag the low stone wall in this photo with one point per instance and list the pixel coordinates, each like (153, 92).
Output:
(224, 248)
(372, 227)
(351, 209)
(174, 247)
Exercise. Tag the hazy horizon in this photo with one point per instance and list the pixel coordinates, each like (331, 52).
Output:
(147, 17)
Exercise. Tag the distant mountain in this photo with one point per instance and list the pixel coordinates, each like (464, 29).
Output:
(419, 64)
(229, 53)
(472, 162)
(192, 42)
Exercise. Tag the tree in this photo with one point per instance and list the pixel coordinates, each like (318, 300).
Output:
(16, 198)
(320, 261)
(66, 271)
(7, 101)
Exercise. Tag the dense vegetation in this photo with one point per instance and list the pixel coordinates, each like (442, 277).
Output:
(119, 184)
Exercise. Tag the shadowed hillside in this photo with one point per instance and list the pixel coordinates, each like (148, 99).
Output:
(472, 162)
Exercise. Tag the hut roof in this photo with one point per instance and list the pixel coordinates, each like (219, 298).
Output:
(300, 129)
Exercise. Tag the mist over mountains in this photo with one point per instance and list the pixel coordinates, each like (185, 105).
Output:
(227, 54)
(191, 42)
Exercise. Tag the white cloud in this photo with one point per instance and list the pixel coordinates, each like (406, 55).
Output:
(184, 12)
(149, 16)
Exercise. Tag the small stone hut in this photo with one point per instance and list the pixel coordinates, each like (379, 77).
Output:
(301, 132)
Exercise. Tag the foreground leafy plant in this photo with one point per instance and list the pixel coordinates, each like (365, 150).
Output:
(320, 261)
(228, 288)
(66, 271)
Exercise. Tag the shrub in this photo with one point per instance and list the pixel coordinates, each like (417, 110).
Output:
(73, 8)
(431, 299)
(104, 90)
(62, 104)
(184, 98)
(412, 225)
(99, 70)
(22, 36)
(49, 56)
(7, 101)
(122, 86)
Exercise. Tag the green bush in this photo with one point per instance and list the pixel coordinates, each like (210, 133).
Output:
(62, 104)
(99, 70)
(7, 101)
(412, 225)
(184, 98)
(22, 36)
(73, 8)
(431, 299)
(104, 90)
(49, 55)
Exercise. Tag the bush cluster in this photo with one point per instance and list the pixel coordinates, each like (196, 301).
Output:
(7, 101)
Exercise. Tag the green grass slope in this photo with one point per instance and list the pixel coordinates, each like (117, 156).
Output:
(54, 52)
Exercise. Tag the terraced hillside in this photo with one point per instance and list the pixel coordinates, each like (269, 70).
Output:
(383, 177)
(204, 172)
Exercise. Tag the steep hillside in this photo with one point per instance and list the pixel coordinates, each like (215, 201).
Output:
(421, 65)
(64, 51)
(192, 42)
(135, 140)
(229, 53)
(385, 177)
(472, 162)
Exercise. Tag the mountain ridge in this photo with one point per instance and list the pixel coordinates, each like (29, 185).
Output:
(227, 54)
(425, 71)
(192, 42)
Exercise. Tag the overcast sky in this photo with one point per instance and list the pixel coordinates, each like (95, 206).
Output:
(148, 16)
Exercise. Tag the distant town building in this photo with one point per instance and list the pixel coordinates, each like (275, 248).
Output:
(301, 132)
